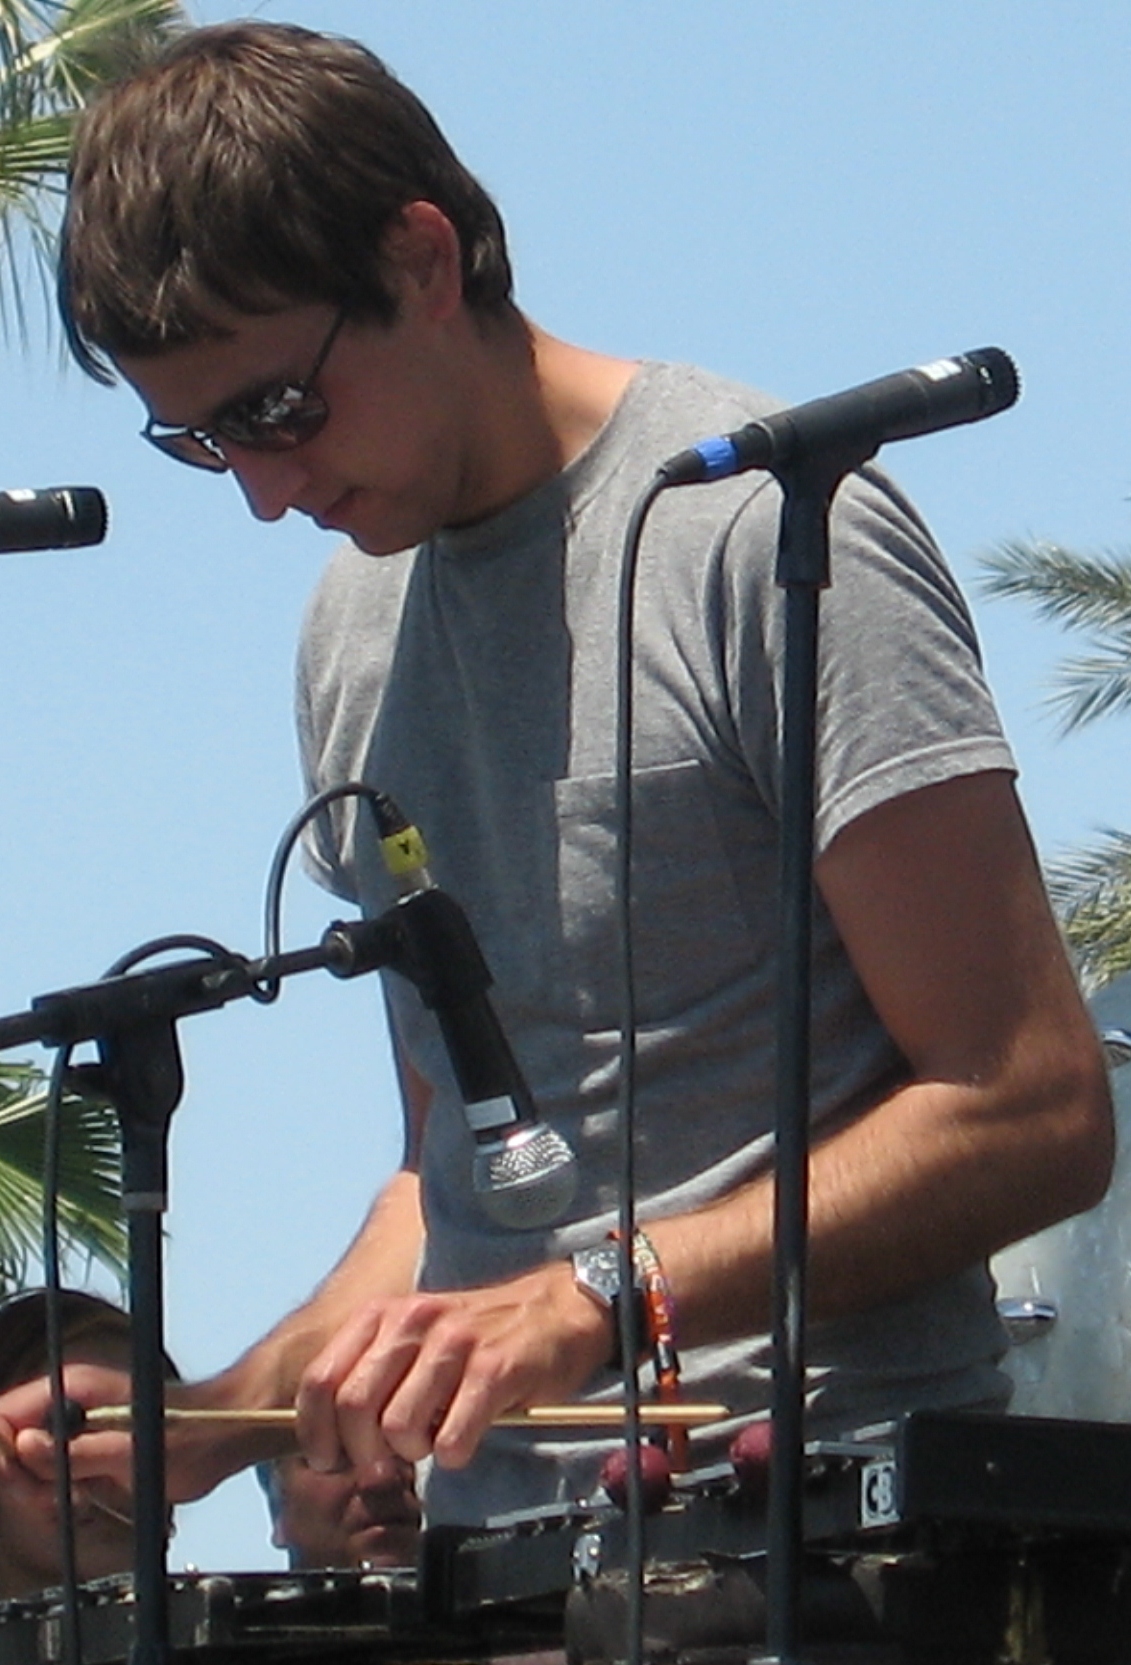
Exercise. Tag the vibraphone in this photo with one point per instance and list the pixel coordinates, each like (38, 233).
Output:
(957, 1537)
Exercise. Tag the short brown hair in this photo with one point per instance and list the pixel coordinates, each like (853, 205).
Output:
(82, 1317)
(253, 166)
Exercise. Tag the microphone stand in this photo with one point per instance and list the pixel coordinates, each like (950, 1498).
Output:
(809, 450)
(141, 1074)
(809, 480)
(808, 485)
(133, 1019)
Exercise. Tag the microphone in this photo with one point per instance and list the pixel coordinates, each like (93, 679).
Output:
(945, 394)
(524, 1173)
(60, 517)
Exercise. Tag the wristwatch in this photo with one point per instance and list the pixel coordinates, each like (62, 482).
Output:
(596, 1271)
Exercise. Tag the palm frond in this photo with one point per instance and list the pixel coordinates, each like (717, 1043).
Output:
(54, 56)
(1088, 592)
(1081, 591)
(33, 155)
(92, 42)
(1090, 887)
(1091, 892)
(90, 1208)
(1098, 686)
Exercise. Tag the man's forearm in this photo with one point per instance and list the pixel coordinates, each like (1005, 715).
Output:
(1005, 1125)
(930, 1181)
(381, 1261)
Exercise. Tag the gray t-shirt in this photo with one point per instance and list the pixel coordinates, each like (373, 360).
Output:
(473, 680)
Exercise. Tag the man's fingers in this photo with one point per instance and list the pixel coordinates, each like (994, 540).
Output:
(327, 1446)
(422, 1402)
(470, 1414)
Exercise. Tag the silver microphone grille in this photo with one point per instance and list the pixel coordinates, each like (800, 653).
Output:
(526, 1178)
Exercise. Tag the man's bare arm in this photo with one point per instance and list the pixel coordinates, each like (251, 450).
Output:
(1003, 1127)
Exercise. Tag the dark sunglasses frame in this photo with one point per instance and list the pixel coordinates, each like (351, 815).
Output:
(280, 418)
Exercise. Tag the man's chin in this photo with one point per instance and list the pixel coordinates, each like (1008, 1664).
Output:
(376, 533)
(383, 1546)
(372, 544)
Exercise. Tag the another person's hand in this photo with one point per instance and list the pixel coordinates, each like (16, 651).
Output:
(25, 1417)
(102, 1511)
(194, 1462)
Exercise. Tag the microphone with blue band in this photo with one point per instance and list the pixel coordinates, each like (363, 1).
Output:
(944, 394)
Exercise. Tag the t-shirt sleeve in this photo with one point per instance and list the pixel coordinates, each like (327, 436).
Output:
(902, 700)
(320, 839)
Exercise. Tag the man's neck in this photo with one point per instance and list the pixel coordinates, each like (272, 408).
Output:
(538, 404)
(579, 390)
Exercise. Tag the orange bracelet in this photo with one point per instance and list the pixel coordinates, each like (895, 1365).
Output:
(660, 1314)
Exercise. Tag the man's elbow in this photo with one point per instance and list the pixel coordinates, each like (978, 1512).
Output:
(1081, 1150)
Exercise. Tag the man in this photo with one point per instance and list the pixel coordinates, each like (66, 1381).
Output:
(270, 240)
(96, 1334)
(329, 1520)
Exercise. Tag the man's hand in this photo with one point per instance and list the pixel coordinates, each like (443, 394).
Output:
(428, 1374)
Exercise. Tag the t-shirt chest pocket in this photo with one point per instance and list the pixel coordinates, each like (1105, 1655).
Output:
(689, 933)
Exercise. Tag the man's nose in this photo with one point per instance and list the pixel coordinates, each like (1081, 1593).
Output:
(271, 481)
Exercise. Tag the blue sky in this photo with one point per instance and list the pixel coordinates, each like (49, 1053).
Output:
(802, 195)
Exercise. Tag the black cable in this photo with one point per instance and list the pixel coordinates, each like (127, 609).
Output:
(68, 1565)
(623, 830)
(389, 820)
(166, 945)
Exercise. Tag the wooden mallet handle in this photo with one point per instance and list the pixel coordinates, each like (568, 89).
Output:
(118, 1417)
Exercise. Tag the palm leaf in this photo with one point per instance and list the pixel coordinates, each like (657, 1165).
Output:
(32, 151)
(54, 56)
(88, 43)
(1091, 593)
(90, 1208)
(1091, 891)
(1090, 887)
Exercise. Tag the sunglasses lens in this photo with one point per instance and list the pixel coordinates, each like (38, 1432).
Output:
(278, 419)
(277, 423)
(188, 448)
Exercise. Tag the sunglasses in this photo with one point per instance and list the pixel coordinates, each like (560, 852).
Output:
(281, 417)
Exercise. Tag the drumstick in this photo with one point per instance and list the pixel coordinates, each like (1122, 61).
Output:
(118, 1417)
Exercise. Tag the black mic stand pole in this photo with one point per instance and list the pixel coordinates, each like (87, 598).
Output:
(808, 488)
(141, 1074)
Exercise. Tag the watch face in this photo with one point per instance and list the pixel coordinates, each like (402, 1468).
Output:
(598, 1270)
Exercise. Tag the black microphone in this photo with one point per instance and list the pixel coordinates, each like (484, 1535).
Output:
(856, 423)
(524, 1173)
(60, 517)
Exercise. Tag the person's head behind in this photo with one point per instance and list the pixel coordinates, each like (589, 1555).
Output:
(326, 1520)
(95, 1332)
(254, 166)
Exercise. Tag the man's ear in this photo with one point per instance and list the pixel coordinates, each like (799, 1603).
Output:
(423, 249)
